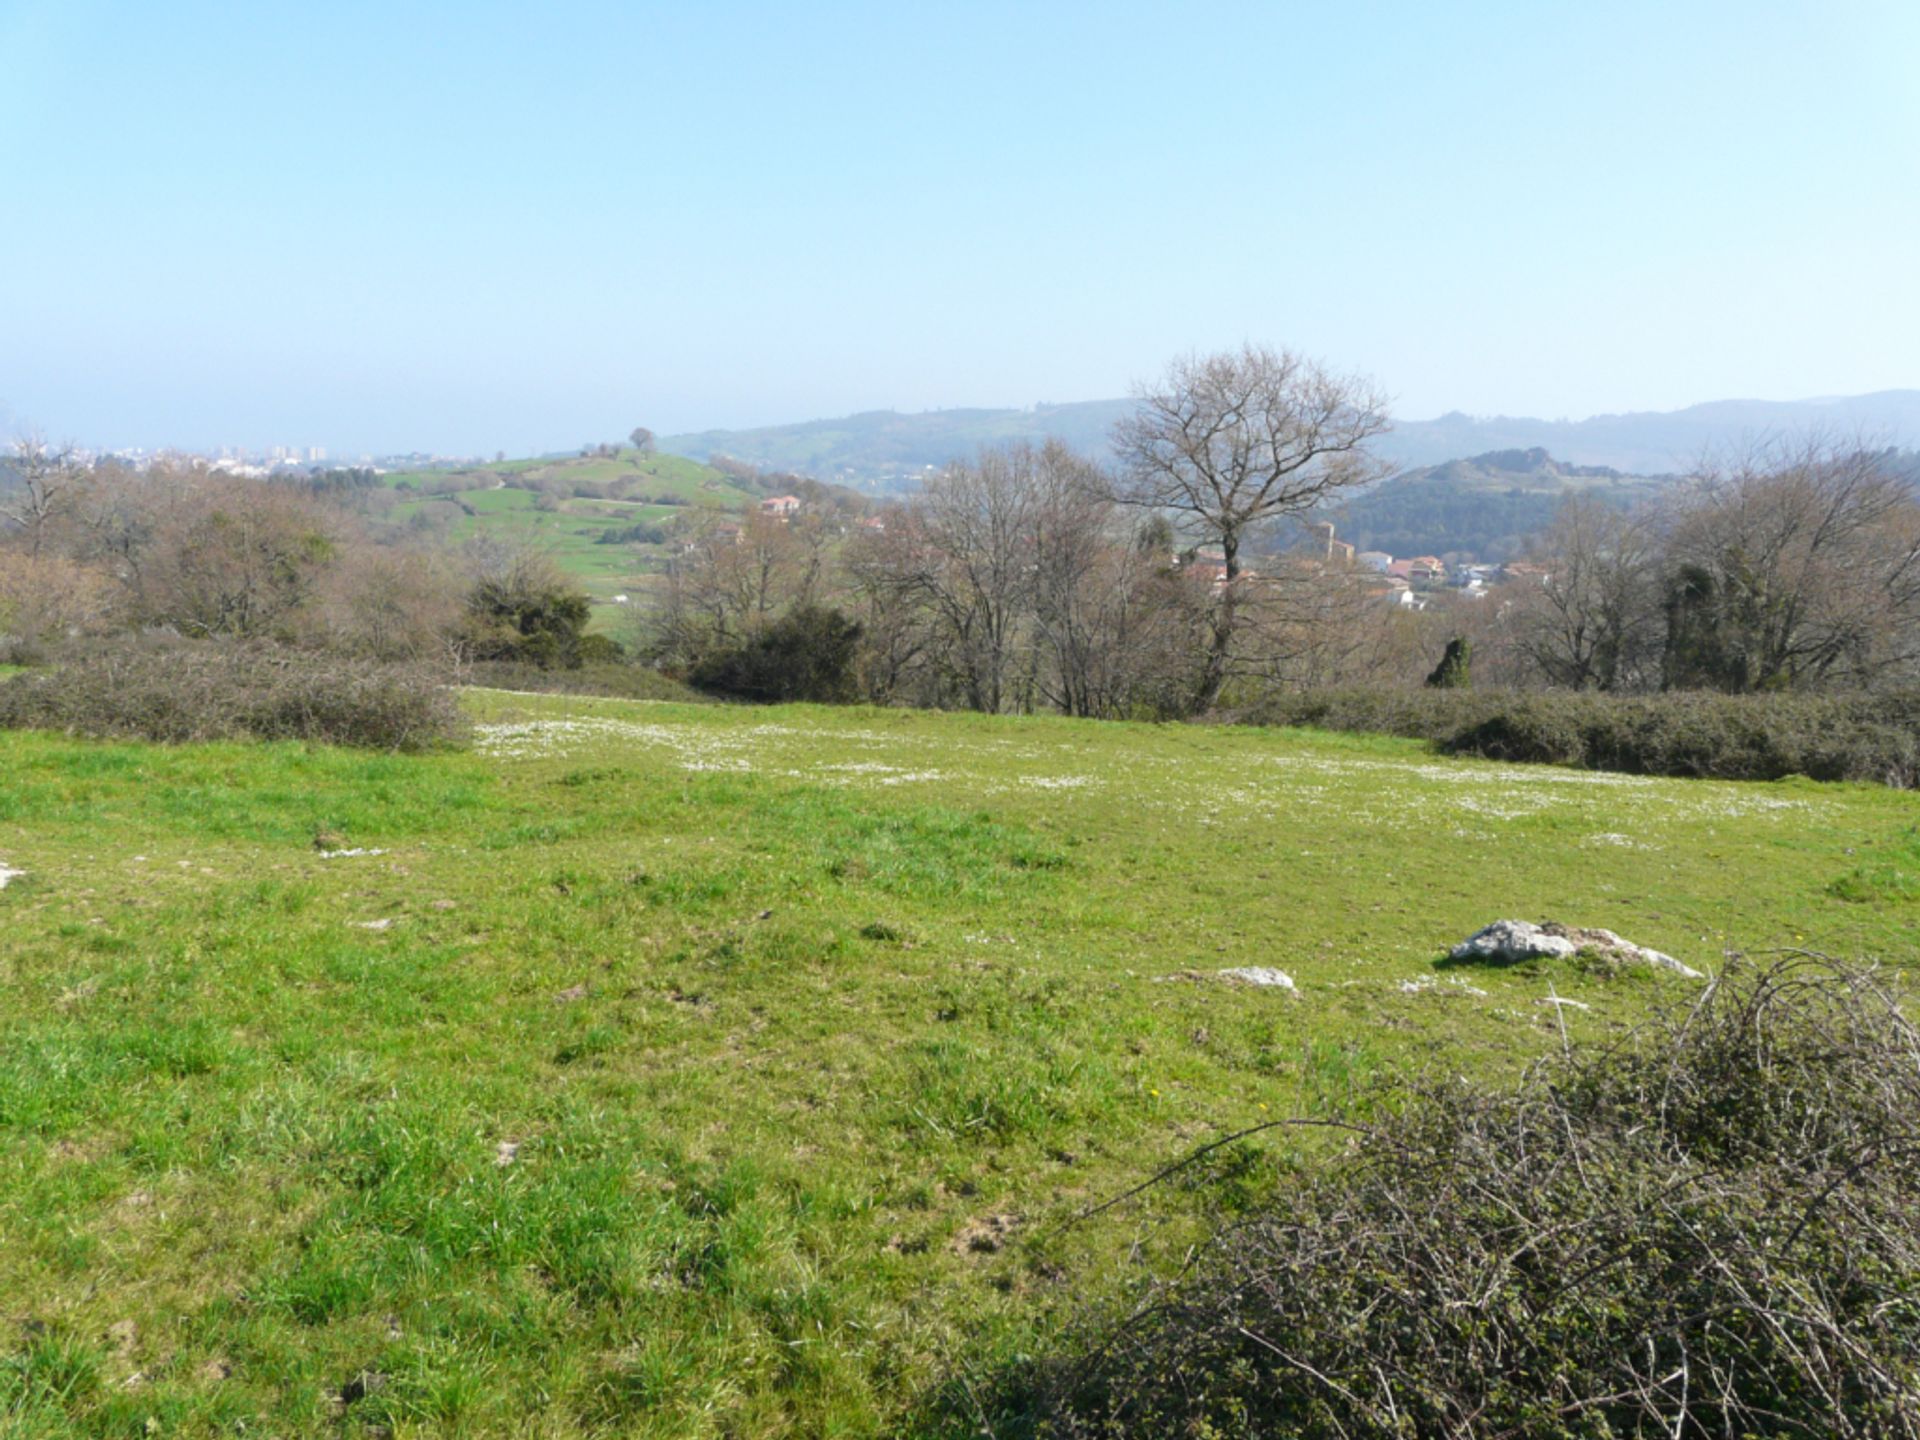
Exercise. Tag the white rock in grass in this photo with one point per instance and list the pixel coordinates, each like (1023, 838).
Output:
(7, 872)
(1625, 952)
(1262, 975)
(1505, 941)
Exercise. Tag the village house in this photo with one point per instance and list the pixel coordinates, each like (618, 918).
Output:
(781, 507)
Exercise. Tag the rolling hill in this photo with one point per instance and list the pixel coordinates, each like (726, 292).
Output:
(884, 449)
(565, 504)
(1485, 506)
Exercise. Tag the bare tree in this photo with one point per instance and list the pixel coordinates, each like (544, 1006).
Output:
(235, 557)
(1231, 441)
(972, 566)
(731, 579)
(1593, 619)
(387, 604)
(642, 439)
(48, 599)
(45, 481)
(1792, 566)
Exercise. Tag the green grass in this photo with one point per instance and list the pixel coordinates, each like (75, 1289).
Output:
(776, 1016)
(570, 533)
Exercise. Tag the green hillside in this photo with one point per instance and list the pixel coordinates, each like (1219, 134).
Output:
(1485, 507)
(564, 505)
(885, 450)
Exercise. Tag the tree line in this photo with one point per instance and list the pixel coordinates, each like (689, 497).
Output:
(1179, 578)
(184, 549)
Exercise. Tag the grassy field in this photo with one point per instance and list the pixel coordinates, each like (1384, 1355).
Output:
(713, 1071)
(570, 533)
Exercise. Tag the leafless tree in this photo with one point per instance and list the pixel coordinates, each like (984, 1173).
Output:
(733, 576)
(1232, 441)
(1592, 621)
(47, 599)
(46, 479)
(234, 557)
(389, 604)
(971, 560)
(1794, 565)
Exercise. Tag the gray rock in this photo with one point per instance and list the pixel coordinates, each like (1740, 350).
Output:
(1623, 951)
(1505, 941)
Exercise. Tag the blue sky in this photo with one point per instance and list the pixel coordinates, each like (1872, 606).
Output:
(475, 227)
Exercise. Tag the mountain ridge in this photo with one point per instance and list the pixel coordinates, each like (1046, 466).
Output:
(888, 449)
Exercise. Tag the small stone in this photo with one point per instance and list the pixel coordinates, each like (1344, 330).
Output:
(1261, 975)
(570, 994)
(507, 1151)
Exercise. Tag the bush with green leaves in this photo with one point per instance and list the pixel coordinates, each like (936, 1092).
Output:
(523, 611)
(216, 690)
(807, 654)
(1710, 1228)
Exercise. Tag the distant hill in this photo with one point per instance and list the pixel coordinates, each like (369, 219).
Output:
(884, 449)
(1485, 506)
(1669, 442)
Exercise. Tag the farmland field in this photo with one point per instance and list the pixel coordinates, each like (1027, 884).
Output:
(490, 503)
(694, 1070)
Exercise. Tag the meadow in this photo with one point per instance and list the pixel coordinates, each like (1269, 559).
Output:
(694, 1070)
(494, 506)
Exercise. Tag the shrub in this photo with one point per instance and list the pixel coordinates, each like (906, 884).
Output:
(1703, 734)
(807, 654)
(640, 534)
(1710, 1229)
(188, 691)
(49, 600)
(523, 610)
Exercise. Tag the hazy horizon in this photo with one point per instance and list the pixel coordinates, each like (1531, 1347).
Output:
(463, 229)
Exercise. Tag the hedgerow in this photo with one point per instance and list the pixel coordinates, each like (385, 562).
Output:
(1704, 734)
(188, 691)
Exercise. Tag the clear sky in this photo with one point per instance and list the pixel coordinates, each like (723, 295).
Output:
(482, 226)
